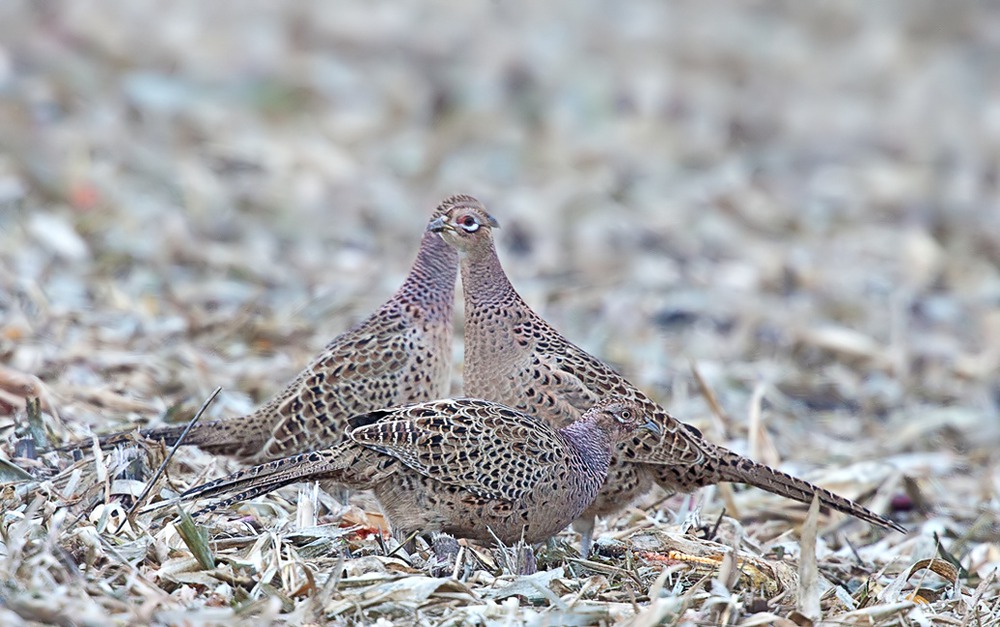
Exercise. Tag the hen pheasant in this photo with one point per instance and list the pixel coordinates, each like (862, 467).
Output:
(468, 467)
(513, 356)
(399, 354)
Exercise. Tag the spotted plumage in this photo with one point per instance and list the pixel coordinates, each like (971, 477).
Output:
(399, 354)
(468, 467)
(513, 356)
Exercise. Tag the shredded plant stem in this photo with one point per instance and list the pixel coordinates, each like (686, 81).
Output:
(779, 220)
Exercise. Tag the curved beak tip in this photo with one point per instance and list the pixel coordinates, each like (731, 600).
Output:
(436, 225)
(652, 427)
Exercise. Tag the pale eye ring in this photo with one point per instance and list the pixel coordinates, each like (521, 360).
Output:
(625, 415)
(469, 223)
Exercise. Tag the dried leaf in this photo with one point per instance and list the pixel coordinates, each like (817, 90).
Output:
(9, 473)
(196, 539)
(807, 598)
(534, 587)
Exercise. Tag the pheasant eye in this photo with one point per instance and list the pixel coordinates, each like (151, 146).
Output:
(626, 415)
(469, 223)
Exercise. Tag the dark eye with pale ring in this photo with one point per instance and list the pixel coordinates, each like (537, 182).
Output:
(626, 415)
(469, 223)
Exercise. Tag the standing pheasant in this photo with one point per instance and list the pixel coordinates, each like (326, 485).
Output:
(468, 467)
(513, 356)
(399, 354)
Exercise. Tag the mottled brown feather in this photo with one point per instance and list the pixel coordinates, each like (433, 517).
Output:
(399, 354)
(468, 467)
(513, 356)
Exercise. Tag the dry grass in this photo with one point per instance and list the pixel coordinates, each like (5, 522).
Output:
(783, 220)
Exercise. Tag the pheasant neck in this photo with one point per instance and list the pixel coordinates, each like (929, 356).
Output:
(592, 442)
(484, 280)
(431, 282)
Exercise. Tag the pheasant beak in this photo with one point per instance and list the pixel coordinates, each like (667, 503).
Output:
(652, 427)
(439, 225)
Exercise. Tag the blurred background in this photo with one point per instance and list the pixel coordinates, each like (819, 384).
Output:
(797, 198)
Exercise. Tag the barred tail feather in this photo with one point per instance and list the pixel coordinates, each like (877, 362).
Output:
(167, 435)
(275, 474)
(742, 470)
(238, 437)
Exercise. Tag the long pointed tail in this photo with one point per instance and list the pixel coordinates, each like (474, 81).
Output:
(239, 437)
(334, 464)
(725, 465)
(167, 435)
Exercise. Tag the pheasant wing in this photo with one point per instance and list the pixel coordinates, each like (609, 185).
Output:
(356, 372)
(583, 379)
(489, 449)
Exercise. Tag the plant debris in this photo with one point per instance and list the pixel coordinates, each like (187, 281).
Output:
(781, 220)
